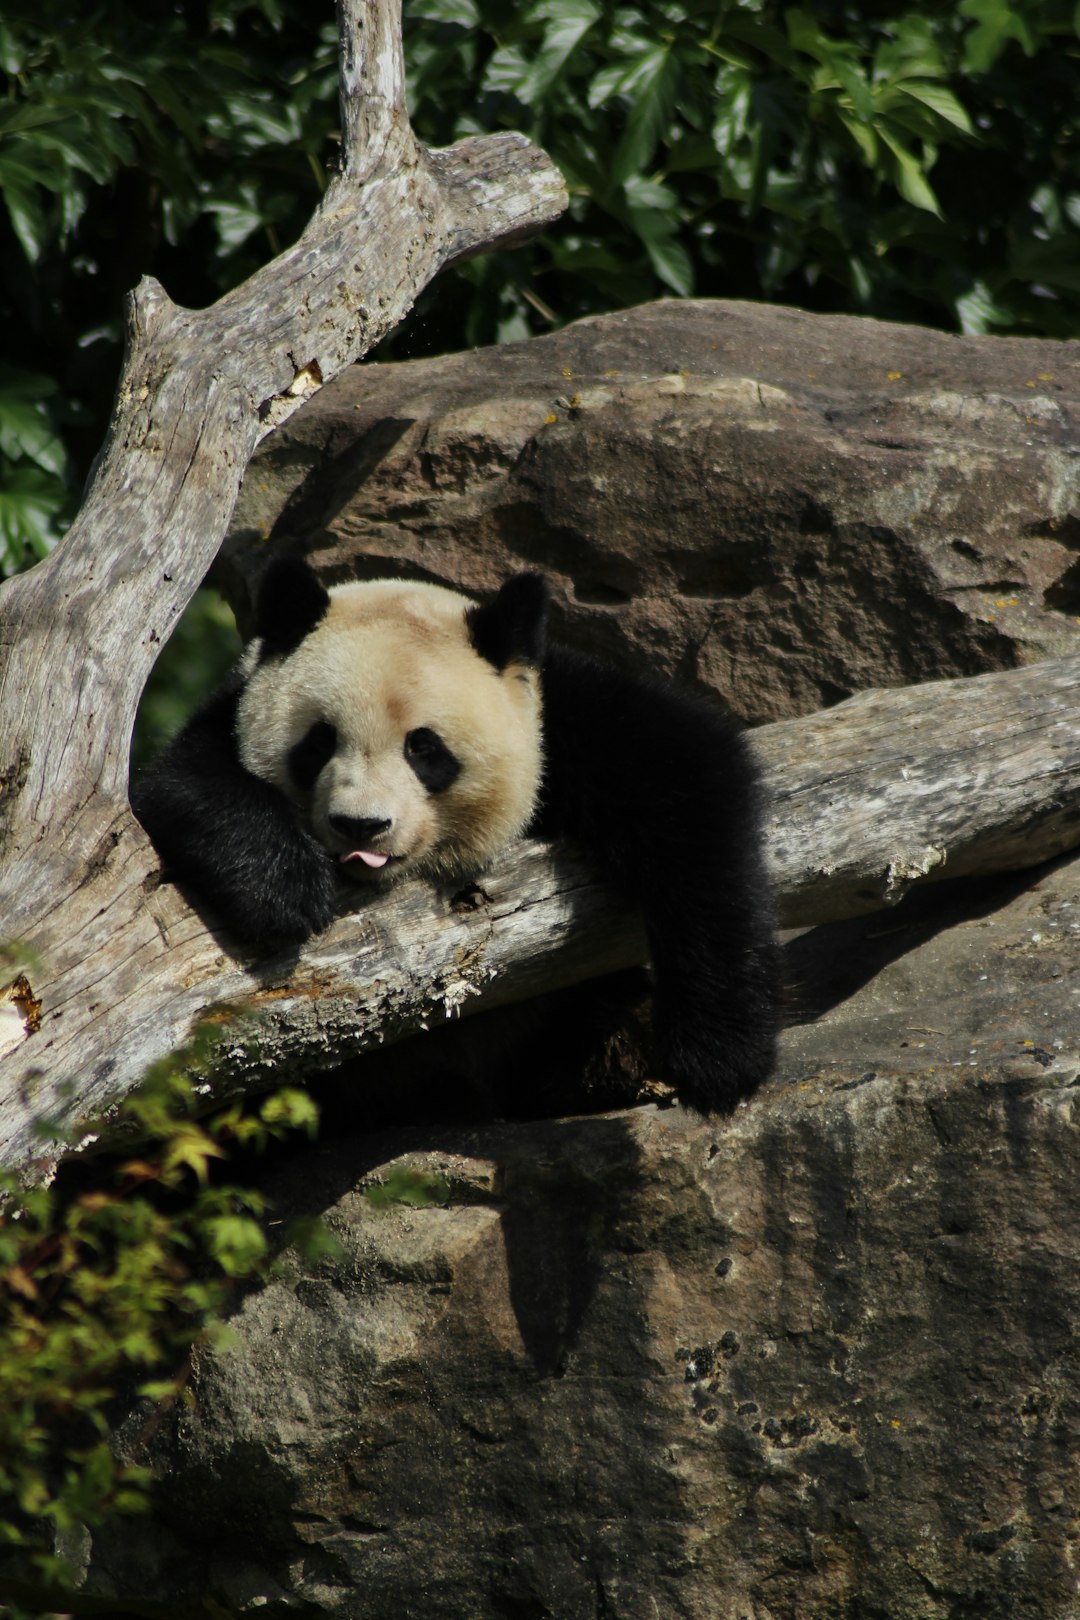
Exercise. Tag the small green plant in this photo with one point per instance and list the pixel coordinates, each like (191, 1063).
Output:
(104, 1289)
(405, 1185)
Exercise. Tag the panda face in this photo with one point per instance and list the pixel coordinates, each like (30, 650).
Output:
(405, 749)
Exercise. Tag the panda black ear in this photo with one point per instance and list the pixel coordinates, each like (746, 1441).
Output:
(510, 628)
(288, 605)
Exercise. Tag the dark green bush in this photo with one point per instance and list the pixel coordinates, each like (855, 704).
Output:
(919, 165)
(107, 1278)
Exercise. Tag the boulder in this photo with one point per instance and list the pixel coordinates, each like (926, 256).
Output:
(781, 507)
(817, 1363)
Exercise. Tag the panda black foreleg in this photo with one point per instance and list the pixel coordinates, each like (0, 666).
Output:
(659, 790)
(235, 839)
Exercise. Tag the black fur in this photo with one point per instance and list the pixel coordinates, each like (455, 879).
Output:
(289, 603)
(657, 788)
(312, 754)
(235, 838)
(436, 766)
(511, 627)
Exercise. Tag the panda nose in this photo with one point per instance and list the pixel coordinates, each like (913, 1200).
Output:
(359, 830)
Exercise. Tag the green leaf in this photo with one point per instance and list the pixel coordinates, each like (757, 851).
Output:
(997, 24)
(912, 51)
(567, 23)
(911, 182)
(650, 196)
(804, 35)
(940, 101)
(978, 312)
(293, 1108)
(236, 217)
(458, 13)
(653, 88)
(25, 426)
(32, 504)
(672, 263)
(237, 1243)
(858, 89)
(22, 198)
(864, 139)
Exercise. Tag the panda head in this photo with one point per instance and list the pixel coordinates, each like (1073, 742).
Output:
(401, 719)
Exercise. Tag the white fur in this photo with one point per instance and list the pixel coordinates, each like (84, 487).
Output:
(391, 656)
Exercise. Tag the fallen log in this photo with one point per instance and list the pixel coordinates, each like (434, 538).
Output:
(888, 790)
(916, 784)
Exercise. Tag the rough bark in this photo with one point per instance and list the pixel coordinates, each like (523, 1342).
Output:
(81, 631)
(895, 788)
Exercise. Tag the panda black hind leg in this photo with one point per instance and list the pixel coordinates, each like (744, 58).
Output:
(659, 790)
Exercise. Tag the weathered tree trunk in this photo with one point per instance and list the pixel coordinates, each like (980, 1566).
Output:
(111, 970)
(82, 630)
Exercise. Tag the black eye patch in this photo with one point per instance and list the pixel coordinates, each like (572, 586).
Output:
(314, 750)
(434, 764)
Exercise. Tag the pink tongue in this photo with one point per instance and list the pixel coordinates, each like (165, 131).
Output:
(368, 857)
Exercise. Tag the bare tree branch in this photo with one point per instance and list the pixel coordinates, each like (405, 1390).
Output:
(199, 389)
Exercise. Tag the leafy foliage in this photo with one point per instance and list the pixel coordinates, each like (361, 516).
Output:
(914, 164)
(185, 141)
(852, 155)
(104, 1287)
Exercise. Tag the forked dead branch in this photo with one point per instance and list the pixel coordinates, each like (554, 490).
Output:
(117, 969)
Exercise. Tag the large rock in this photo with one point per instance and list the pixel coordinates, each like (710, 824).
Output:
(786, 508)
(819, 1364)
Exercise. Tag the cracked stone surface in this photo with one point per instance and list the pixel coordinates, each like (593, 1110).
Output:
(818, 1363)
(781, 507)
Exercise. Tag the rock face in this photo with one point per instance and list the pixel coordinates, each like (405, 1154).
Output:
(818, 1364)
(782, 507)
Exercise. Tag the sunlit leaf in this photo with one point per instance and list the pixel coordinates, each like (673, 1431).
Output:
(997, 24)
(566, 24)
(940, 101)
(653, 91)
(31, 504)
(911, 182)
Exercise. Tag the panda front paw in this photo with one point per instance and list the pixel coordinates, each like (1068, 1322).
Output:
(287, 897)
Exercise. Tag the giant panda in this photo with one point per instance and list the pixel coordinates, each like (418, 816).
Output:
(391, 727)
